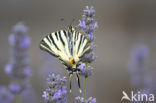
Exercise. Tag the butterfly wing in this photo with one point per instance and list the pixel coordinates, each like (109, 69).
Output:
(56, 44)
(66, 45)
(81, 45)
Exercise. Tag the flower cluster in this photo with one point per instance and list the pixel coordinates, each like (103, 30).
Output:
(56, 91)
(89, 100)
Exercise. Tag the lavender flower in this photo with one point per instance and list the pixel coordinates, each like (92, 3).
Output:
(88, 26)
(18, 67)
(86, 72)
(5, 95)
(56, 91)
(138, 65)
(89, 100)
(88, 23)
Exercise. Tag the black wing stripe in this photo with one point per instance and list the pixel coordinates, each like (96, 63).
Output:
(86, 46)
(77, 36)
(65, 33)
(83, 39)
(61, 38)
(79, 43)
(45, 47)
(56, 35)
(71, 48)
(48, 51)
(47, 37)
(54, 42)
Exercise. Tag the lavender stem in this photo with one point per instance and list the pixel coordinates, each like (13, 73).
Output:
(18, 99)
(84, 90)
(85, 80)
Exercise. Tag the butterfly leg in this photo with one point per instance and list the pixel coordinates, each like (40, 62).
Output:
(78, 82)
(70, 86)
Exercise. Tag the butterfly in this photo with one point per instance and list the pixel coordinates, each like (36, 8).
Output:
(69, 46)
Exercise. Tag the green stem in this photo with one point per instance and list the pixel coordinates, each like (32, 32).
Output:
(84, 89)
(18, 99)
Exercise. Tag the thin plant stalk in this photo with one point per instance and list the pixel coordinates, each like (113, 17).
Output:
(18, 99)
(84, 87)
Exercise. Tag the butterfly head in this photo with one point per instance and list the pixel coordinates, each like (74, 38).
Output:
(73, 63)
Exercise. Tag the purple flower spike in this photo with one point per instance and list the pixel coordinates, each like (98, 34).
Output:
(18, 67)
(56, 91)
(88, 23)
(88, 26)
(89, 100)
(5, 95)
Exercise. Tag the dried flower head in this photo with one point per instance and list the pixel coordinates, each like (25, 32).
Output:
(89, 100)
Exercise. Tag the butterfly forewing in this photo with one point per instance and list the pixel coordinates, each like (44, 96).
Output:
(66, 44)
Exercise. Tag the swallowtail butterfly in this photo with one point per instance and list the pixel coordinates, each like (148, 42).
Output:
(69, 46)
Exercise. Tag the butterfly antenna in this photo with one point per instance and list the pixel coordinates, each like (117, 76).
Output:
(78, 79)
(71, 22)
(70, 86)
